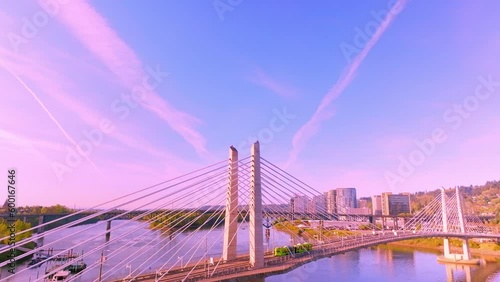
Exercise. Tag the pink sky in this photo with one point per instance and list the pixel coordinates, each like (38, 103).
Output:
(353, 121)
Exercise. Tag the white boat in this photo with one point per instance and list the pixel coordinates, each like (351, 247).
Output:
(60, 275)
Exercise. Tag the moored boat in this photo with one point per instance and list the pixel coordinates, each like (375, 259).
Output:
(60, 275)
(76, 266)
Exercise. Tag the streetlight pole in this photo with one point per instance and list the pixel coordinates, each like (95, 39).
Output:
(206, 251)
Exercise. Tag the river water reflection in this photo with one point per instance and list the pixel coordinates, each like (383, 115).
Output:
(378, 264)
(145, 242)
(388, 264)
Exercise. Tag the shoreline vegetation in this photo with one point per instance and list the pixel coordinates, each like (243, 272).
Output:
(308, 233)
(182, 219)
(5, 231)
(490, 251)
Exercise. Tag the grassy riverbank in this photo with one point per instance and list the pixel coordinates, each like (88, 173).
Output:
(190, 219)
(487, 250)
(308, 233)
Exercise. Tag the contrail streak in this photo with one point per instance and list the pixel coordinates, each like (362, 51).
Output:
(321, 114)
(64, 132)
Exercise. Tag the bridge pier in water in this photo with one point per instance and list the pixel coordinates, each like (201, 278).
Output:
(108, 228)
(40, 229)
(256, 240)
(231, 216)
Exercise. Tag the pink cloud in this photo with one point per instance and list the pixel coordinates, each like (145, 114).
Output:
(308, 130)
(391, 146)
(55, 85)
(262, 79)
(92, 30)
(47, 111)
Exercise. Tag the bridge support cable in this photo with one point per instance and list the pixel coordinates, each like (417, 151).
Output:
(298, 185)
(172, 225)
(114, 228)
(243, 178)
(216, 239)
(218, 222)
(88, 253)
(281, 183)
(187, 240)
(424, 219)
(192, 233)
(270, 179)
(276, 211)
(282, 195)
(244, 194)
(180, 178)
(270, 182)
(245, 183)
(137, 217)
(97, 214)
(244, 219)
(100, 247)
(182, 241)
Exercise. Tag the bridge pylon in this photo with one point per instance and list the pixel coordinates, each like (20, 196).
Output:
(444, 215)
(256, 235)
(231, 216)
(465, 244)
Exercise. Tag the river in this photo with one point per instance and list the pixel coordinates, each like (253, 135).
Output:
(376, 264)
(388, 264)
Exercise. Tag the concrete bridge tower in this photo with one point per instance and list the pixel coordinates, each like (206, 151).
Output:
(256, 235)
(231, 218)
(444, 211)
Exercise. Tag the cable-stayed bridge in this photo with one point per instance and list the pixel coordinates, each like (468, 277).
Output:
(222, 222)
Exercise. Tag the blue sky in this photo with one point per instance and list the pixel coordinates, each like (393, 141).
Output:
(353, 116)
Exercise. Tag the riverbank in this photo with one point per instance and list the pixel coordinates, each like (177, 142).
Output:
(487, 251)
(309, 233)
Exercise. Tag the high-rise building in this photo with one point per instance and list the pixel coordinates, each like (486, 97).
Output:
(345, 199)
(395, 204)
(377, 205)
(363, 211)
(331, 206)
(364, 202)
(298, 204)
(317, 204)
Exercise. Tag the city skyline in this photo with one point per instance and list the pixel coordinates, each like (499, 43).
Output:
(363, 95)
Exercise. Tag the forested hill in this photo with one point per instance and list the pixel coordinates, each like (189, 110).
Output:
(482, 199)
